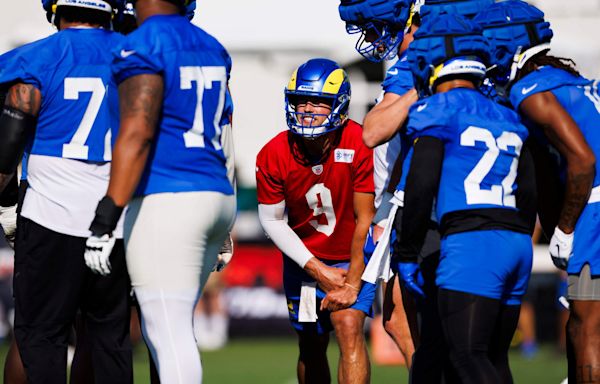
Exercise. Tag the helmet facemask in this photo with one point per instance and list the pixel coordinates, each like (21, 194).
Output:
(377, 41)
(310, 124)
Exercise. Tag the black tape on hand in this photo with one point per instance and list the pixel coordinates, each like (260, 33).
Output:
(107, 217)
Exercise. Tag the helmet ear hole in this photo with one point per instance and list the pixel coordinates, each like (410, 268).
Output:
(501, 53)
(421, 63)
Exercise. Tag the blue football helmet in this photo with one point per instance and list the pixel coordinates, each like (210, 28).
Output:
(465, 8)
(187, 7)
(190, 9)
(320, 80)
(381, 24)
(125, 20)
(516, 31)
(109, 6)
(447, 44)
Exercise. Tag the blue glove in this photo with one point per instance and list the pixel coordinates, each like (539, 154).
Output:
(412, 279)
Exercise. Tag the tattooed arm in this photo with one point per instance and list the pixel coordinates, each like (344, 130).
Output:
(140, 102)
(17, 124)
(564, 134)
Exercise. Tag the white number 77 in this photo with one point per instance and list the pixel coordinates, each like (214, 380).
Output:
(204, 78)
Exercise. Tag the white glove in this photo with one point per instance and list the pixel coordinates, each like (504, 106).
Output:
(97, 253)
(225, 254)
(561, 248)
(8, 221)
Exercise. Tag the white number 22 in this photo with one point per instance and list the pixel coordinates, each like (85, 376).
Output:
(312, 197)
(204, 78)
(498, 194)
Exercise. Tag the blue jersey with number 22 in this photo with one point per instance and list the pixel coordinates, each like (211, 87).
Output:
(482, 142)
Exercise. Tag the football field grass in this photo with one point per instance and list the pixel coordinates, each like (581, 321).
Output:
(273, 360)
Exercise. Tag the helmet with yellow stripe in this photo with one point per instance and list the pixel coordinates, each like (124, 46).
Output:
(317, 82)
(447, 45)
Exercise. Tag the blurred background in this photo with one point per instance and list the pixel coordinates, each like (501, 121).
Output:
(242, 321)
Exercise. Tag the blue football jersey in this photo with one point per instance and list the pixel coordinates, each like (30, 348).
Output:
(71, 69)
(398, 78)
(186, 152)
(482, 142)
(577, 95)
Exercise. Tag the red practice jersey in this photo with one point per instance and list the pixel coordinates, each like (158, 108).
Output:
(319, 198)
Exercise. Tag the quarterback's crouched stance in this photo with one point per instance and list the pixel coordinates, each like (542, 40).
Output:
(322, 174)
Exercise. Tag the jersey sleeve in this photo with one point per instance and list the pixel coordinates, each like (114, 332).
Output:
(18, 66)
(430, 117)
(405, 168)
(269, 181)
(398, 79)
(542, 80)
(364, 170)
(137, 55)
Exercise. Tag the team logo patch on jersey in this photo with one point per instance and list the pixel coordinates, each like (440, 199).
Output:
(317, 169)
(343, 155)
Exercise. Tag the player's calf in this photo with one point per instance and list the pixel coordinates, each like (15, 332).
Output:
(313, 366)
(354, 359)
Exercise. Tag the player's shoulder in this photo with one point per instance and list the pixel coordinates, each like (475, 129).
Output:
(20, 62)
(174, 31)
(353, 128)
(352, 135)
(546, 78)
(143, 40)
(277, 145)
(38, 50)
(398, 79)
(433, 111)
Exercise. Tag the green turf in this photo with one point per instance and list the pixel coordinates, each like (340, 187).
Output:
(272, 361)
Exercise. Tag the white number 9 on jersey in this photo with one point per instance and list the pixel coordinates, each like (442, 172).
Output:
(326, 207)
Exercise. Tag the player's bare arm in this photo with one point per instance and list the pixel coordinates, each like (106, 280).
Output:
(387, 117)
(345, 296)
(562, 131)
(17, 123)
(140, 100)
(24, 97)
(328, 278)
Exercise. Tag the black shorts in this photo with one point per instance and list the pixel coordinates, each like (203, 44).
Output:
(51, 284)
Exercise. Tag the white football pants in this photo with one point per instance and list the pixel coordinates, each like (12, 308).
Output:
(172, 241)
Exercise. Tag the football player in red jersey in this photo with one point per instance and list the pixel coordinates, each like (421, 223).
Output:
(321, 173)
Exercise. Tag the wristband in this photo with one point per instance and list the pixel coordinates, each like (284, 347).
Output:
(352, 286)
(107, 217)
